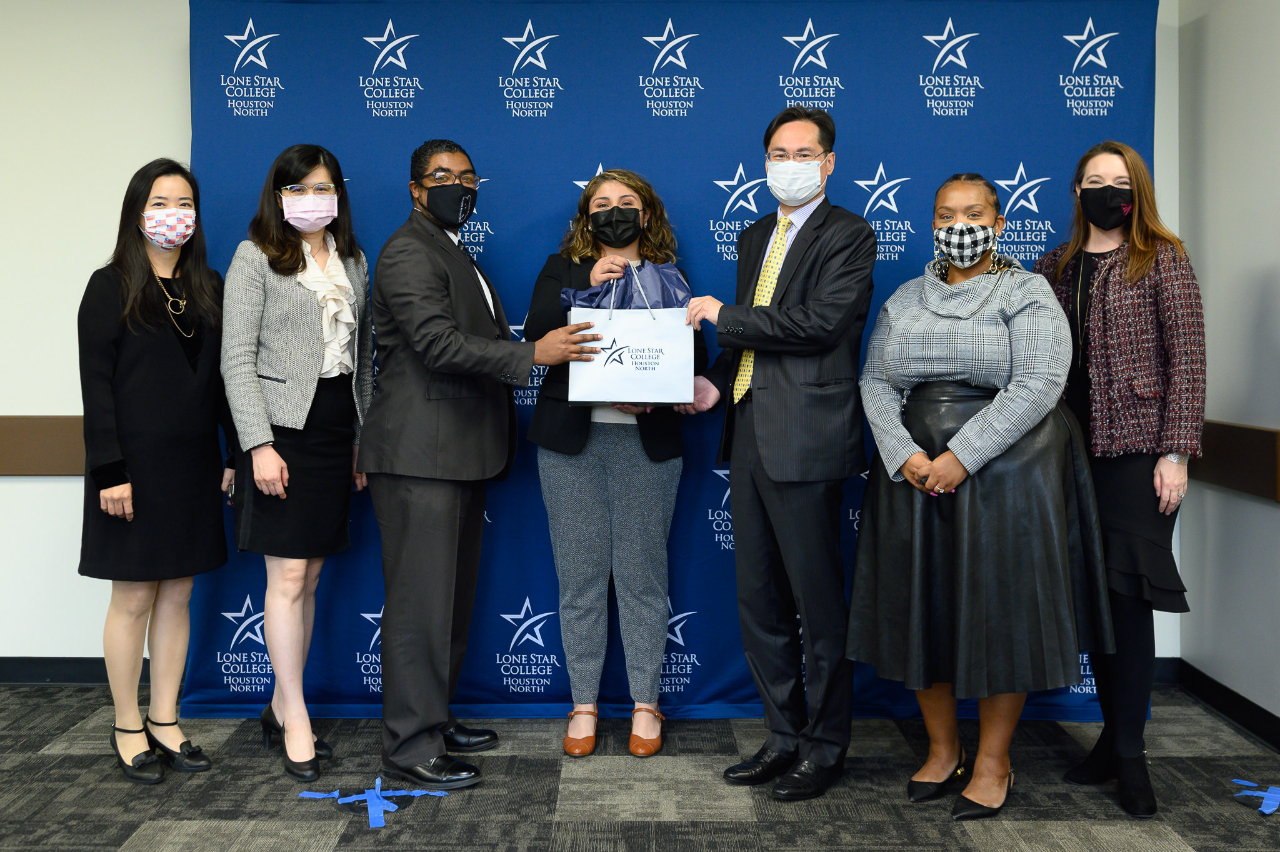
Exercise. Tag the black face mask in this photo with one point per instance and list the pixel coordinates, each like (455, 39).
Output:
(1106, 207)
(451, 204)
(617, 227)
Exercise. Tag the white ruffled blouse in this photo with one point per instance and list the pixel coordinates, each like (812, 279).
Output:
(337, 321)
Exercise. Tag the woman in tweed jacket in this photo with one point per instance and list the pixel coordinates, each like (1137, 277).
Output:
(979, 564)
(1137, 385)
(297, 363)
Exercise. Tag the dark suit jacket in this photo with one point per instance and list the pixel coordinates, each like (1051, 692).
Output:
(808, 414)
(562, 427)
(443, 407)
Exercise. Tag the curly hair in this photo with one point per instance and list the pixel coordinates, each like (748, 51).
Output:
(657, 241)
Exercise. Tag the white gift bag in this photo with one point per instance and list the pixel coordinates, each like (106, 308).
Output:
(646, 357)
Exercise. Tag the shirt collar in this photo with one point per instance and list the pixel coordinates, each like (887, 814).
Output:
(801, 214)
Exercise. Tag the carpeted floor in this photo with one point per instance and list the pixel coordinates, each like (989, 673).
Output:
(60, 789)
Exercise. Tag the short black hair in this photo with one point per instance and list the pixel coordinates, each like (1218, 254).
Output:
(971, 177)
(826, 125)
(422, 155)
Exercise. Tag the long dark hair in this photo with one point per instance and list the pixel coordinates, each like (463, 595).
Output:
(144, 303)
(279, 241)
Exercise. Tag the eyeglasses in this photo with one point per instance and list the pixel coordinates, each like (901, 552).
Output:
(296, 189)
(798, 157)
(440, 177)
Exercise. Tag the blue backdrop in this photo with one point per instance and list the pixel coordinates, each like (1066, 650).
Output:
(543, 96)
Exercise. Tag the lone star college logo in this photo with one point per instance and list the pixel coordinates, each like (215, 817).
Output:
(676, 623)
(1089, 41)
(882, 192)
(950, 46)
(388, 42)
(582, 184)
(670, 47)
(615, 354)
(374, 618)
(250, 40)
(742, 192)
(250, 624)
(723, 474)
(529, 626)
(531, 52)
(1024, 191)
(811, 47)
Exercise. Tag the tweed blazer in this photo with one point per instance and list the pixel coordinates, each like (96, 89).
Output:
(273, 345)
(1145, 350)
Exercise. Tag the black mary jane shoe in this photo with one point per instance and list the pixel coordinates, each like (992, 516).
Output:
(1135, 793)
(1099, 767)
(188, 757)
(144, 767)
(459, 738)
(923, 791)
(761, 769)
(272, 727)
(303, 770)
(965, 808)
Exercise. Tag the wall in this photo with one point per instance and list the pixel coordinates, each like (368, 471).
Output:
(1229, 180)
(78, 151)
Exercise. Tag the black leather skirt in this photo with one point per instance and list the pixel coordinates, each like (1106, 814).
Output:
(996, 588)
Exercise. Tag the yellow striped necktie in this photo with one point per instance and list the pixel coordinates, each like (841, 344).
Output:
(764, 294)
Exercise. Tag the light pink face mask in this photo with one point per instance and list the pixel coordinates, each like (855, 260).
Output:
(169, 228)
(310, 213)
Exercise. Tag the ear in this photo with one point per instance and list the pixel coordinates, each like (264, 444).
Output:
(999, 223)
(831, 163)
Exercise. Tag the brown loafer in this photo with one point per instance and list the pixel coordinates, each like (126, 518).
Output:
(642, 747)
(580, 746)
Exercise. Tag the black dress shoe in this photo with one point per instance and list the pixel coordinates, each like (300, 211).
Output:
(303, 770)
(271, 726)
(462, 739)
(143, 768)
(806, 780)
(923, 791)
(969, 809)
(1099, 767)
(764, 767)
(1136, 796)
(438, 773)
(187, 758)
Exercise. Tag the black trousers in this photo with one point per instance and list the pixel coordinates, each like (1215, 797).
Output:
(787, 552)
(431, 531)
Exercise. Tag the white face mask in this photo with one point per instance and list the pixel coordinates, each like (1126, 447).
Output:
(794, 183)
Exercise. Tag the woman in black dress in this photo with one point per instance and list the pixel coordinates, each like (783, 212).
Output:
(149, 342)
(1137, 385)
(297, 356)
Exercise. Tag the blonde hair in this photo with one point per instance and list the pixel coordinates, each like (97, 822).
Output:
(657, 241)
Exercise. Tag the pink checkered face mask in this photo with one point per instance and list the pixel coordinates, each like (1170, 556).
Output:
(169, 228)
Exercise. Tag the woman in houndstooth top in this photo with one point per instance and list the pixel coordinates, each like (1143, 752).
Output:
(979, 564)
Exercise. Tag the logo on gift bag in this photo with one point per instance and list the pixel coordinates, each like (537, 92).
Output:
(245, 669)
(1089, 94)
(250, 95)
(950, 93)
(1024, 239)
(614, 353)
(526, 671)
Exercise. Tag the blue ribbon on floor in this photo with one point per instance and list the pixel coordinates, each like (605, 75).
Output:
(1270, 797)
(374, 799)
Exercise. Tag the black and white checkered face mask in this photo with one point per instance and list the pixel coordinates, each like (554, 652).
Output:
(963, 244)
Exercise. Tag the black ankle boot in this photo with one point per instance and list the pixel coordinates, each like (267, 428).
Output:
(1136, 796)
(1099, 767)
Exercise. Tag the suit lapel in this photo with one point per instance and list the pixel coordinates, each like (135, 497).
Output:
(804, 238)
(463, 258)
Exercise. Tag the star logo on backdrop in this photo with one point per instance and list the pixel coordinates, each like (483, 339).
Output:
(950, 46)
(1091, 45)
(811, 47)
(388, 42)
(249, 624)
(529, 626)
(723, 474)
(670, 47)
(1023, 191)
(517, 331)
(582, 184)
(742, 192)
(676, 623)
(882, 191)
(531, 52)
(374, 618)
(247, 43)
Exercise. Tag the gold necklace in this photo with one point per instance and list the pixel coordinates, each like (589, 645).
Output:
(182, 306)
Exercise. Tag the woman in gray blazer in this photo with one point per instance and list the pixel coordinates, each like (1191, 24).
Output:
(297, 360)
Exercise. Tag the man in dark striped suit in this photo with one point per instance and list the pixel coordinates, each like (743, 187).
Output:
(788, 371)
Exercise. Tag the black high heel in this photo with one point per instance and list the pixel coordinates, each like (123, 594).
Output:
(1099, 767)
(144, 768)
(188, 757)
(923, 791)
(1135, 793)
(271, 726)
(966, 808)
(303, 770)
